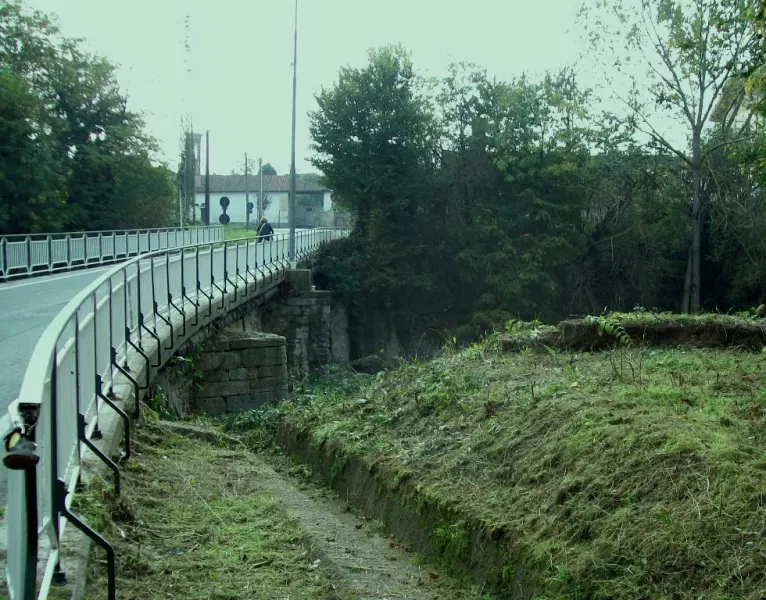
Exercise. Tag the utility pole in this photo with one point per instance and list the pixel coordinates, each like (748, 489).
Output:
(291, 200)
(186, 170)
(247, 197)
(260, 190)
(207, 178)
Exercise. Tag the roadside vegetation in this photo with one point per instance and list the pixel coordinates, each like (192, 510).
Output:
(235, 232)
(202, 516)
(75, 153)
(193, 522)
(478, 199)
(632, 473)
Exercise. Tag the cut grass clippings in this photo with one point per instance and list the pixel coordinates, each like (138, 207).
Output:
(636, 473)
(192, 524)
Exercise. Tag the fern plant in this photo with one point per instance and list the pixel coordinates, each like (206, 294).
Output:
(611, 326)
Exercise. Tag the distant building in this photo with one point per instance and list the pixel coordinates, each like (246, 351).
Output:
(311, 199)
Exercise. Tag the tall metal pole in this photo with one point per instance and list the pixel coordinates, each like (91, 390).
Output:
(247, 197)
(292, 159)
(207, 178)
(186, 170)
(260, 190)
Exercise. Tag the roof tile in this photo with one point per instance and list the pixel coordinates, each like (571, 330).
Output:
(271, 184)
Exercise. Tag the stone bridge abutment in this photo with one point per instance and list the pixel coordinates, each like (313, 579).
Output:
(248, 357)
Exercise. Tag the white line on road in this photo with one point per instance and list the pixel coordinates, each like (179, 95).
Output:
(49, 278)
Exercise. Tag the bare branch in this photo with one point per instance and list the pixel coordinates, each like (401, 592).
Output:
(743, 41)
(715, 147)
(659, 46)
(702, 67)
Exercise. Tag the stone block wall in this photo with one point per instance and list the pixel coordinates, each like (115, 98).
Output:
(242, 373)
(304, 320)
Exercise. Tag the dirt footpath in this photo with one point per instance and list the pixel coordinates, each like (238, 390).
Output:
(200, 520)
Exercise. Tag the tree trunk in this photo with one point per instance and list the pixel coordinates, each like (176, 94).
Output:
(686, 298)
(696, 221)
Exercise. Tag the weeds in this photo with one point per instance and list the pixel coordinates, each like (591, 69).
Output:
(623, 474)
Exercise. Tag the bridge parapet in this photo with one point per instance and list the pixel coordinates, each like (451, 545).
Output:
(28, 254)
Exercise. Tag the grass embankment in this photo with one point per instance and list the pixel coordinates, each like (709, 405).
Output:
(194, 523)
(235, 232)
(636, 473)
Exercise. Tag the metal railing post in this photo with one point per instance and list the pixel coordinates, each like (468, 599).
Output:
(59, 576)
(50, 253)
(4, 255)
(29, 254)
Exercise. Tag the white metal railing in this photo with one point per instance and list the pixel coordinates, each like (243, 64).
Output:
(140, 310)
(29, 254)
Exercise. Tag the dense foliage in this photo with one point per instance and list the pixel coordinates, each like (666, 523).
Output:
(72, 156)
(478, 200)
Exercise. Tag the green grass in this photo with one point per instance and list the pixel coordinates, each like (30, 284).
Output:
(625, 474)
(192, 524)
(234, 232)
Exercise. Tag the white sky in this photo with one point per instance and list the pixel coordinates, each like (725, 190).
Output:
(240, 83)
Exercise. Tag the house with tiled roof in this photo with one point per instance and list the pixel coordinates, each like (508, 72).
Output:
(311, 199)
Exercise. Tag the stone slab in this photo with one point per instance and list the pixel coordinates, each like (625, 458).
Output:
(257, 357)
(268, 384)
(273, 371)
(258, 341)
(215, 376)
(301, 302)
(211, 361)
(244, 373)
(224, 388)
(300, 279)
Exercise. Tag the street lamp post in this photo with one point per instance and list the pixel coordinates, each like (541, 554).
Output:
(291, 200)
(260, 189)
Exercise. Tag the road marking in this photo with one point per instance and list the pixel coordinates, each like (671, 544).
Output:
(50, 278)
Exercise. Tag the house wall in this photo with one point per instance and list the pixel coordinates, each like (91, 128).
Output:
(276, 213)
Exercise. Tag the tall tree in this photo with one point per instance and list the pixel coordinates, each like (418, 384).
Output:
(67, 132)
(267, 170)
(689, 52)
(374, 133)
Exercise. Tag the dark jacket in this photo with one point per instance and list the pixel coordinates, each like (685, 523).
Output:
(265, 232)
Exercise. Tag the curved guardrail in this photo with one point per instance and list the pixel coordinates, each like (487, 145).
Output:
(37, 253)
(136, 313)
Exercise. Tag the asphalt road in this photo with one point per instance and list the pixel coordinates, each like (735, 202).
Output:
(26, 308)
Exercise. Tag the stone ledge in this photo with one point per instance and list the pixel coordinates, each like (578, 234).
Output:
(315, 294)
(265, 340)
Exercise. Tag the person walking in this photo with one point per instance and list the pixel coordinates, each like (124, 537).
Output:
(265, 231)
